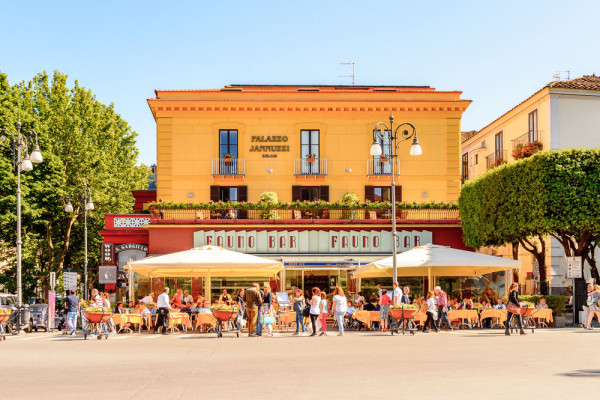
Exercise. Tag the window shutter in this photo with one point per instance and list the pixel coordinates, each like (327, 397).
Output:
(242, 193)
(398, 193)
(296, 192)
(324, 193)
(214, 193)
(369, 195)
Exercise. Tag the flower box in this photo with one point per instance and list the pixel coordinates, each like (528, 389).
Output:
(384, 160)
(310, 160)
(228, 159)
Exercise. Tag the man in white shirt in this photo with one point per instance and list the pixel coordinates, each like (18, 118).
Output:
(187, 297)
(162, 321)
(397, 294)
(148, 299)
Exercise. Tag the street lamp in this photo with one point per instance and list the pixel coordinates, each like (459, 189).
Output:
(19, 145)
(88, 205)
(395, 138)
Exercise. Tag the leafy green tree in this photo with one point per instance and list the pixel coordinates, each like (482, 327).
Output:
(82, 140)
(552, 193)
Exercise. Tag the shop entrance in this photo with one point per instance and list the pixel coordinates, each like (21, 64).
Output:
(323, 278)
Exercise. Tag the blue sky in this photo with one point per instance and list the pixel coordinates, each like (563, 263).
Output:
(497, 53)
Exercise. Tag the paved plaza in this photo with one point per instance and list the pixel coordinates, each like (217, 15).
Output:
(550, 364)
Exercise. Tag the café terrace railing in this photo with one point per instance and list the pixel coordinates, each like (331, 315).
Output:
(200, 215)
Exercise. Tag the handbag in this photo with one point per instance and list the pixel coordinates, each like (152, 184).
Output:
(269, 319)
(306, 311)
(513, 308)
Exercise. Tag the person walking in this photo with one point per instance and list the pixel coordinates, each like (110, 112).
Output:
(267, 297)
(442, 303)
(163, 304)
(592, 303)
(397, 294)
(239, 299)
(96, 299)
(513, 309)
(315, 305)
(431, 312)
(585, 308)
(254, 300)
(72, 306)
(339, 307)
(298, 300)
(324, 307)
(384, 310)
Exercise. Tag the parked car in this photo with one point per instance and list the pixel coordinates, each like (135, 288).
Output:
(7, 300)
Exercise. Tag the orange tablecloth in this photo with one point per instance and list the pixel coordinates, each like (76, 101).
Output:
(471, 315)
(179, 319)
(494, 313)
(545, 314)
(122, 319)
(205, 318)
(367, 317)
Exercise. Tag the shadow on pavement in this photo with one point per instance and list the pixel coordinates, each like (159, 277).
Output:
(583, 373)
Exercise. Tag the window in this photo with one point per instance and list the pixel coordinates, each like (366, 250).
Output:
(476, 159)
(228, 143)
(383, 167)
(499, 147)
(228, 151)
(310, 193)
(229, 193)
(465, 167)
(382, 193)
(533, 126)
(310, 152)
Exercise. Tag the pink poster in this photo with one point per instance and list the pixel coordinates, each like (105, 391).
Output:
(51, 306)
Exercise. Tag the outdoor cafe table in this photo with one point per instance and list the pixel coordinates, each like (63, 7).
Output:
(123, 319)
(544, 314)
(286, 319)
(205, 319)
(367, 317)
(176, 318)
(459, 315)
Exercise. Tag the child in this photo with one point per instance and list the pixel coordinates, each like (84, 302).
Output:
(324, 313)
(269, 319)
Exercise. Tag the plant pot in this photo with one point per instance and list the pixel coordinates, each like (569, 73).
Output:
(310, 160)
(560, 321)
(384, 160)
(228, 160)
(222, 315)
(96, 317)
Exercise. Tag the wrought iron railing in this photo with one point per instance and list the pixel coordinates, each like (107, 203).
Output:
(310, 166)
(496, 158)
(232, 214)
(382, 166)
(228, 166)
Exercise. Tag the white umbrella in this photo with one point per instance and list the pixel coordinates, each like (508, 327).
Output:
(205, 261)
(434, 260)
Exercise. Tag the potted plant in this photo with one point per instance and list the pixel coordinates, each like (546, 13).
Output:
(227, 157)
(311, 157)
(97, 314)
(384, 158)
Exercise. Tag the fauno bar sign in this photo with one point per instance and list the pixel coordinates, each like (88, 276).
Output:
(314, 242)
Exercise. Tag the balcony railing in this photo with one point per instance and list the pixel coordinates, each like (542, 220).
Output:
(526, 138)
(496, 158)
(228, 166)
(233, 214)
(310, 166)
(379, 167)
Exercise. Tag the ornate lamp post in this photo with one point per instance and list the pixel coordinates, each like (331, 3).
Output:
(88, 205)
(19, 145)
(394, 137)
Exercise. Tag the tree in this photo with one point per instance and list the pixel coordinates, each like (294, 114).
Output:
(552, 193)
(81, 140)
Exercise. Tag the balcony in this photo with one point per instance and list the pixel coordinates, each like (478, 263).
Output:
(310, 166)
(497, 158)
(228, 166)
(308, 212)
(377, 167)
(526, 139)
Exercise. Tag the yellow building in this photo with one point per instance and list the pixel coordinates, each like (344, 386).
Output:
(303, 142)
(563, 114)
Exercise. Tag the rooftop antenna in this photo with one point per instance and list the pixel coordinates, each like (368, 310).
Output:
(558, 73)
(351, 64)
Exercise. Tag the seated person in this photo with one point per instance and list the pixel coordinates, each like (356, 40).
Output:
(146, 316)
(119, 309)
(225, 298)
(467, 304)
(176, 300)
(187, 308)
(542, 305)
(369, 307)
(205, 309)
(199, 299)
(350, 310)
(499, 305)
(359, 305)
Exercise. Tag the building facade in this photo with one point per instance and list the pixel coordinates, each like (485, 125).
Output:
(561, 115)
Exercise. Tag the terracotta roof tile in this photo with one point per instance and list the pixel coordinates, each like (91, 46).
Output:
(586, 82)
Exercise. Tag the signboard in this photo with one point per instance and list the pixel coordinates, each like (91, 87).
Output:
(536, 269)
(312, 242)
(107, 274)
(131, 246)
(108, 254)
(51, 309)
(574, 270)
(283, 299)
(70, 280)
